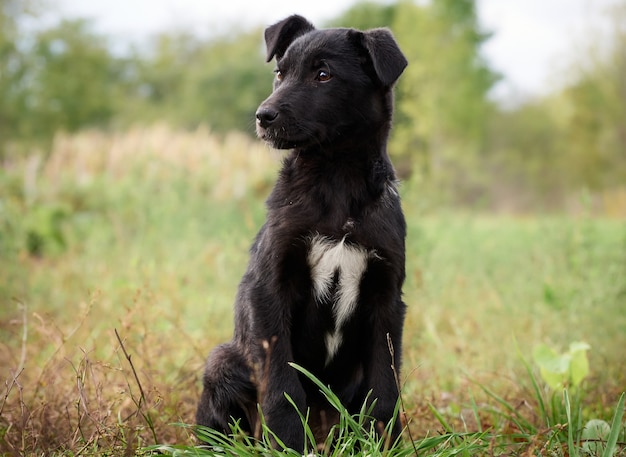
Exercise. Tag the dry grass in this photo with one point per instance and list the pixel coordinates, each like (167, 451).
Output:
(74, 400)
(68, 386)
(145, 233)
(233, 162)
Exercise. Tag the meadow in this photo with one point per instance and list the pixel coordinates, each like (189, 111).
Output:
(120, 254)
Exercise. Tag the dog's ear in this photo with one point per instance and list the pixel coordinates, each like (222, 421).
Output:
(279, 36)
(384, 52)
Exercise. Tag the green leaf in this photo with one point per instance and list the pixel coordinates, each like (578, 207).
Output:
(616, 425)
(573, 450)
(554, 367)
(562, 370)
(594, 435)
(579, 364)
(578, 346)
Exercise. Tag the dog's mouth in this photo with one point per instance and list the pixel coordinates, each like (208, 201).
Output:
(284, 138)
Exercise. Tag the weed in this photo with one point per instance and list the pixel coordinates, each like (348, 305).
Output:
(353, 435)
(147, 231)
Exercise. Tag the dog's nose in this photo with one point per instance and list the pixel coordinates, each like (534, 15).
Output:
(265, 116)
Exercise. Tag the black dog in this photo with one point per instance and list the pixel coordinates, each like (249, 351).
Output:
(324, 284)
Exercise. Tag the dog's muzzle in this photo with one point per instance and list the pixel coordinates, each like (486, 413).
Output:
(268, 128)
(266, 116)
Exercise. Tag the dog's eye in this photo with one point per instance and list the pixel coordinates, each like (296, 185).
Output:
(323, 76)
(279, 75)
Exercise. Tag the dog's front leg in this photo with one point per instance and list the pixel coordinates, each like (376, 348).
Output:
(278, 381)
(387, 348)
(277, 278)
(271, 299)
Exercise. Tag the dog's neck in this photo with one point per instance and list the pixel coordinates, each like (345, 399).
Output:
(359, 161)
(342, 181)
(366, 144)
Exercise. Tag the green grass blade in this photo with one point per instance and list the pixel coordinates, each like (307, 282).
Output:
(536, 388)
(309, 437)
(442, 420)
(452, 444)
(522, 423)
(330, 396)
(475, 412)
(573, 450)
(616, 425)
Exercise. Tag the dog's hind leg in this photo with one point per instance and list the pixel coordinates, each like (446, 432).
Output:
(229, 393)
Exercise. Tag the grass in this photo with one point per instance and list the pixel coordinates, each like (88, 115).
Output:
(120, 255)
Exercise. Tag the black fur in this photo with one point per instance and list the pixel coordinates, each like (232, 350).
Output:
(332, 106)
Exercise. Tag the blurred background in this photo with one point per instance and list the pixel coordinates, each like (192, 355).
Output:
(507, 106)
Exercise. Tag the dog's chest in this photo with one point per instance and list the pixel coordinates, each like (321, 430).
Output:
(337, 269)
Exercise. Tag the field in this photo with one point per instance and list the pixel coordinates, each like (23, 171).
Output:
(120, 255)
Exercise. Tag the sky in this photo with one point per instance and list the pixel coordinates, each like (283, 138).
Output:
(533, 42)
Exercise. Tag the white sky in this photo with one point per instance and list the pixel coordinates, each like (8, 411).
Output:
(532, 44)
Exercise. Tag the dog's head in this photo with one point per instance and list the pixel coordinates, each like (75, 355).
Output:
(330, 84)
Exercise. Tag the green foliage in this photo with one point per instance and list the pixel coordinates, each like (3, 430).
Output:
(441, 97)
(367, 15)
(354, 435)
(617, 429)
(63, 78)
(155, 227)
(12, 67)
(596, 113)
(572, 138)
(64, 59)
(560, 419)
(44, 232)
(188, 82)
(595, 432)
(459, 146)
(563, 370)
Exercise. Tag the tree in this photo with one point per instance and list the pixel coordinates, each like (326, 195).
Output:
(595, 119)
(12, 68)
(441, 105)
(441, 102)
(186, 81)
(71, 81)
(227, 82)
(366, 15)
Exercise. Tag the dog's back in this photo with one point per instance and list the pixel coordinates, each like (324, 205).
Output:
(323, 286)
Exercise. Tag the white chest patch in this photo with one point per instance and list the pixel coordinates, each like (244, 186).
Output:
(336, 271)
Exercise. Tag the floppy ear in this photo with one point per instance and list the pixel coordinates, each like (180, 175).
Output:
(387, 59)
(279, 36)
